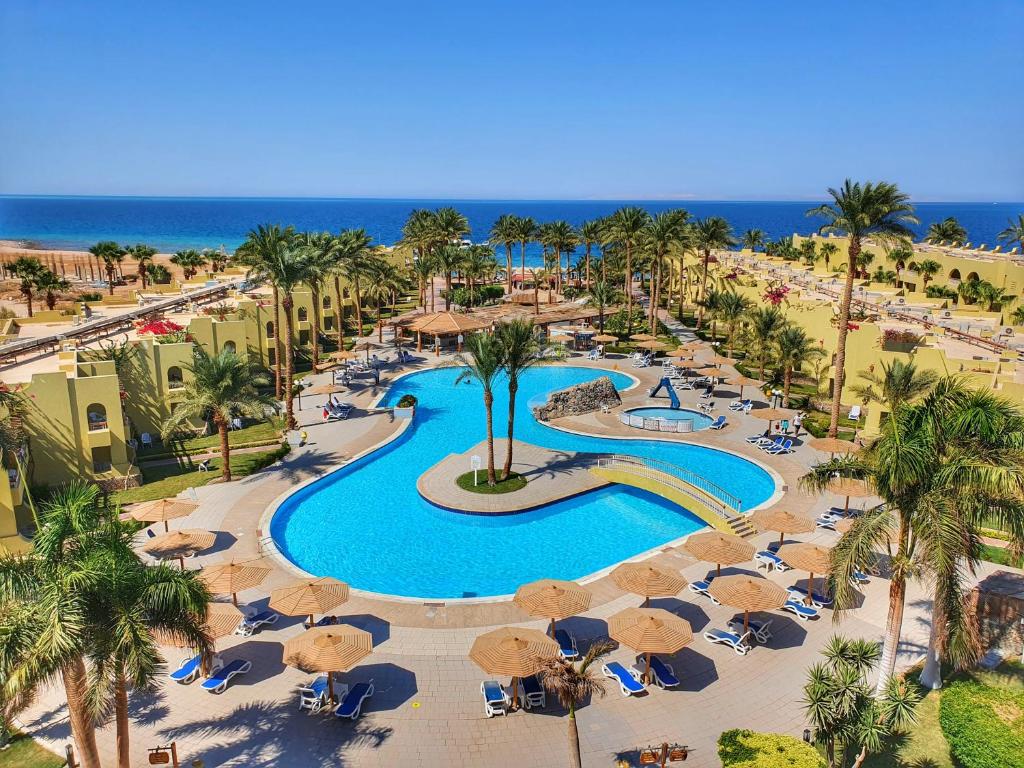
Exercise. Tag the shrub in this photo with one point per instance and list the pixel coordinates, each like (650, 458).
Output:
(407, 401)
(983, 724)
(740, 748)
(898, 336)
(158, 273)
(616, 324)
(90, 296)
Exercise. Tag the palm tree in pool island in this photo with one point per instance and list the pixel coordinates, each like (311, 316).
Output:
(520, 351)
(482, 362)
(709, 234)
(859, 211)
(221, 387)
(574, 684)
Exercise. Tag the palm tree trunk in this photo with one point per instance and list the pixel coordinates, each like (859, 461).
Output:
(110, 279)
(340, 314)
(83, 728)
(447, 290)
(629, 290)
(28, 301)
(315, 295)
(225, 447)
(121, 720)
(513, 387)
(359, 304)
(931, 674)
(522, 262)
(508, 268)
(575, 761)
(380, 322)
(844, 322)
(588, 267)
(703, 289)
(277, 344)
(682, 289)
(787, 379)
(893, 628)
(288, 365)
(488, 403)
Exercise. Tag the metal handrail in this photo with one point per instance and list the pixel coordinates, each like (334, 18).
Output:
(715, 497)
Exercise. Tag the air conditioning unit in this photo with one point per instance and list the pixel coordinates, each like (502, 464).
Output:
(1007, 331)
(947, 314)
(901, 300)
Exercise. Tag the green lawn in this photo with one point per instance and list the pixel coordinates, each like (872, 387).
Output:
(169, 480)
(25, 753)
(512, 483)
(264, 432)
(1000, 555)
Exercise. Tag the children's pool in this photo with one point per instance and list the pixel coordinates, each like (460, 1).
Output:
(367, 525)
(700, 420)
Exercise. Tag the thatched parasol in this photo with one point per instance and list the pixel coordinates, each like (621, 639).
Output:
(647, 580)
(719, 548)
(221, 621)
(653, 344)
(743, 381)
(772, 414)
(833, 445)
(336, 648)
(807, 557)
(650, 630)
(748, 594)
(642, 337)
(230, 578)
(605, 338)
(513, 651)
(309, 596)
(552, 599)
(324, 389)
(850, 488)
(162, 510)
(178, 544)
(342, 354)
(781, 521)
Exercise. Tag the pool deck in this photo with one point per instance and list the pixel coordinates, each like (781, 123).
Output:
(551, 476)
(427, 709)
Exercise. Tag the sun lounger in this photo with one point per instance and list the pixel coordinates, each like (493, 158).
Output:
(773, 444)
(313, 696)
(827, 522)
(219, 680)
(770, 561)
(859, 577)
(700, 587)
(802, 612)
(662, 674)
(785, 447)
(566, 645)
(628, 679)
(352, 704)
(189, 668)
(717, 423)
(533, 692)
(761, 630)
(735, 641)
(496, 700)
(817, 600)
(758, 440)
(738, 405)
(250, 624)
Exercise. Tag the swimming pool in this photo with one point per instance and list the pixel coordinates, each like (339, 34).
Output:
(700, 420)
(367, 525)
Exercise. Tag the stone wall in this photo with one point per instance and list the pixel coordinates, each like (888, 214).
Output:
(579, 399)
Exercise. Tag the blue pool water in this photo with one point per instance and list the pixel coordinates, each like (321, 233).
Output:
(700, 420)
(367, 525)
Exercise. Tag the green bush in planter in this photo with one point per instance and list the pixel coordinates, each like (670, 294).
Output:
(983, 724)
(741, 748)
(407, 401)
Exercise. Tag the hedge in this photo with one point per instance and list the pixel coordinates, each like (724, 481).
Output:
(984, 725)
(740, 748)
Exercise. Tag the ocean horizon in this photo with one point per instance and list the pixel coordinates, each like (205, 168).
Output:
(175, 223)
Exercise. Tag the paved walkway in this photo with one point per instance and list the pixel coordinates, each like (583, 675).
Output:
(426, 709)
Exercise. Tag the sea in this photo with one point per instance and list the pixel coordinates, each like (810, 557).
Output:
(175, 223)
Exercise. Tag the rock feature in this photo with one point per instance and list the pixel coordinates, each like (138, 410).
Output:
(579, 399)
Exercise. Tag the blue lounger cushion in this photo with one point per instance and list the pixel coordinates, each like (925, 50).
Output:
(802, 611)
(817, 598)
(663, 673)
(493, 694)
(565, 644)
(187, 670)
(351, 705)
(625, 679)
(219, 680)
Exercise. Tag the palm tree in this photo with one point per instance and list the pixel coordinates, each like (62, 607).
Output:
(590, 235)
(221, 387)
(1018, 315)
(753, 239)
(992, 295)
(766, 323)
(941, 465)
(879, 211)
(665, 233)
(504, 232)
(520, 351)
(526, 231)
(602, 295)
(827, 251)
(793, 348)
(730, 308)
(423, 271)
(711, 233)
(1013, 235)
(947, 230)
(449, 225)
(353, 249)
(898, 382)
(190, 261)
(447, 259)
(626, 227)
(50, 284)
(28, 269)
(112, 256)
(574, 684)
(478, 263)
(143, 255)
(808, 252)
(321, 250)
(927, 269)
(482, 361)
(384, 280)
(261, 248)
(559, 237)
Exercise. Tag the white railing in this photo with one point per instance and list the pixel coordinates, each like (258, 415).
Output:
(686, 481)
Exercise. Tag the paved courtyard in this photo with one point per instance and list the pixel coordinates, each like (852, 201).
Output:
(427, 709)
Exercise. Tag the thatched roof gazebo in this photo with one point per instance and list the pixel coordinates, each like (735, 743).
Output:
(440, 324)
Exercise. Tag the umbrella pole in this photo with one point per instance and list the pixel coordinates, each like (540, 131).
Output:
(810, 587)
(181, 561)
(311, 624)
(647, 601)
(330, 686)
(234, 598)
(515, 693)
(718, 572)
(847, 505)
(647, 672)
(551, 629)
(782, 537)
(746, 621)
(167, 526)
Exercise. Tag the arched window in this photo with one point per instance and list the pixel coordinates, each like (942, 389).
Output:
(973, 277)
(229, 346)
(327, 302)
(303, 315)
(270, 329)
(174, 378)
(912, 266)
(954, 275)
(96, 413)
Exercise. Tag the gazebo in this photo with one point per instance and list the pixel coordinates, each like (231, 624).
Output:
(441, 324)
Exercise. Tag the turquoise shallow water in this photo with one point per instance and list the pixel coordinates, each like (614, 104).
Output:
(367, 525)
(700, 420)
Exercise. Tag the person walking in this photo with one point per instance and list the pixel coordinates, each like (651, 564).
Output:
(798, 422)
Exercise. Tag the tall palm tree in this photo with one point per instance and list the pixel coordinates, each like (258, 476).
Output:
(897, 383)
(947, 230)
(731, 307)
(221, 387)
(590, 235)
(711, 233)
(448, 259)
(478, 264)
(526, 232)
(418, 234)
(28, 269)
(423, 270)
(827, 251)
(261, 248)
(626, 227)
(793, 348)
(602, 295)
(321, 250)
(941, 465)
(520, 351)
(112, 256)
(384, 279)
(753, 239)
(190, 261)
(928, 269)
(859, 211)
(353, 249)
(143, 255)
(665, 233)
(573, 684)
(1013, 235)
(504, 232)
(450, 225)
(766, 323)
(50, 284)
(482, 362)
(559, 237)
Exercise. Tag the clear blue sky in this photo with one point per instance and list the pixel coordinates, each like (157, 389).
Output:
(651, 99)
